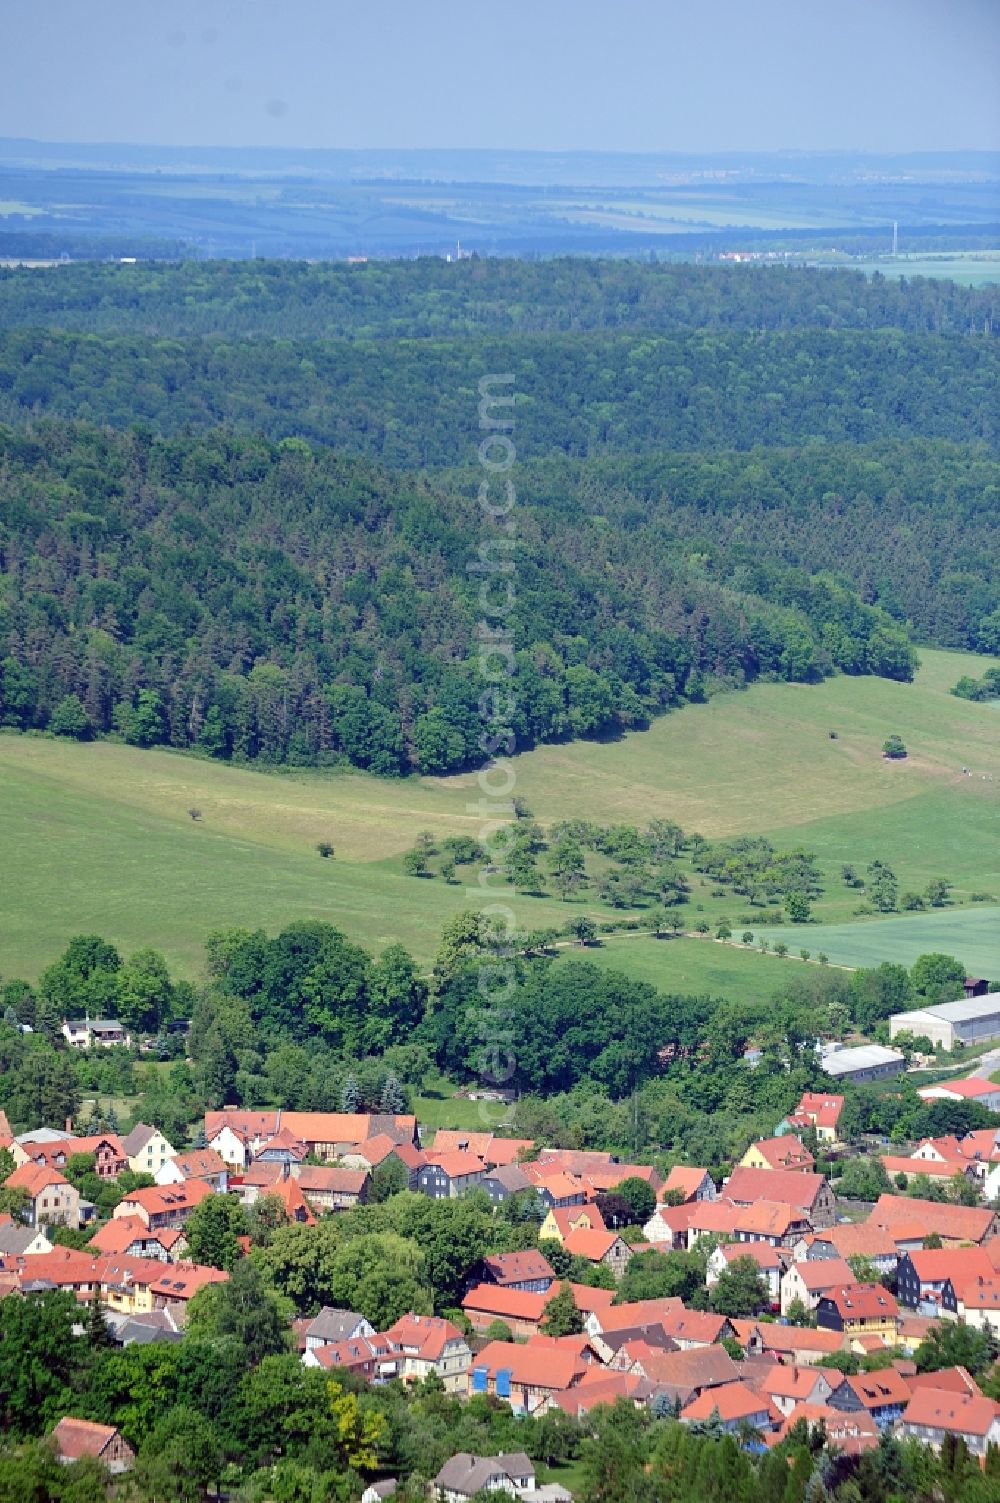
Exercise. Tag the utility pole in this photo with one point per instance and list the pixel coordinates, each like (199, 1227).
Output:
(895, 239)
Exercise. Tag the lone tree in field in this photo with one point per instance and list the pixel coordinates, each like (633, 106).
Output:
(583, 930)
(893, 748)
(325, 849)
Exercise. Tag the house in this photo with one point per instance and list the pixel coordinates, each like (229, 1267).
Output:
(560, 1221)
(233, 1145)
(689, 1183)
(953, 1224)
(933, 1168)
(800, 1189)
(425, 1344)
(788, 1386)
(682, 1376)
(20, 1241)
(529, 1377)
(853, 1240)
(669, 1225)
(970, 1020)
(736, 1406)
(771, 1264)
(146, 1149)
(521, 1310)
(463, 1476)
(181, 1282)
(862, 1063)
(859, 1310)
(602, 1387)
(161, 1206)
(632, 1315)
(985, 1092)
(495, 1152)
(773, 1222)
(73, 1439)
(809, 1280)
(203, 1164)
(450, 1175)
(327, 1135)
(932, 1274)
(821, 1111)
(933, 1413)
(884, 1395)
(51, 1199)
(332, 1325)
(107, 1149)
(977, 1301)
(599, 1247)
(691, 1328)
(129, 1236)
(329, 1189)
(283, 1147)
(805, 1345)
(504, 1181)
(96, 1033)
(850, 1434)
(529, 1270)
(555, 1188)
(364, 1357)
(786, 1152)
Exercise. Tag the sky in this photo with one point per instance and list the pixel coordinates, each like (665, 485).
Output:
(613, 75)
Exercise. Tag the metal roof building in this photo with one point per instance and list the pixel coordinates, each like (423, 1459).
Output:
(865, 1062)
(970, 1020)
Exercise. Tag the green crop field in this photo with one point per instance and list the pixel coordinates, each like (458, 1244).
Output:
(98, 838)
(972, 935)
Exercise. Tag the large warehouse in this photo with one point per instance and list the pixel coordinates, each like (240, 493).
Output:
(863, 1062)
(968, 1021)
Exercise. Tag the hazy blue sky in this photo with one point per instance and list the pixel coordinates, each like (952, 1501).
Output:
(560, 74)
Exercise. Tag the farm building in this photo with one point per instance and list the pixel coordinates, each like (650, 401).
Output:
(970, 1020)
(864, 1062)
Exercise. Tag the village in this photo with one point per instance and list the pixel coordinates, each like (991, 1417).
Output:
(811, 1310)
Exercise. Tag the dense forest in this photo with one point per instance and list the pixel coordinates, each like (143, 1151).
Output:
(414, 403)
(274, 601)
(211, 536)
(430, 297)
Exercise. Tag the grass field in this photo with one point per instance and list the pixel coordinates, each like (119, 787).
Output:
(972, 935)
(98, 837)
(694, 966)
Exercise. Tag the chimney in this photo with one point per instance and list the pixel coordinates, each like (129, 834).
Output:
(69, 1124)
(286, 1169)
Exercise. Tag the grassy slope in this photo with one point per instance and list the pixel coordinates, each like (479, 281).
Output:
(98, 837)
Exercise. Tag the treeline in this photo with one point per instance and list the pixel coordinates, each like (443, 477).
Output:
(427, 297)
(288, 604)
(413, 403)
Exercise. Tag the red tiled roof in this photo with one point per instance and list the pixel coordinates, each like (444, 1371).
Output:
(933, 1265)
(733, 1401)
(960, 1223)
(504, 1304)
(968, 1089)
(592, 1245)
(785, 1152)
(456, 1163)
(876, 1390)
(34, 1178)
(685, 1179)
(424, 1335)
(862, 1302)
(824, 1273)
(76, 1438)
(762, 1253)
(157, 1199)
(641, 1312)
(547, 1367)
(565, 1217)
(948, 1379)
(317, 1179)
(822, 1107)
(798, 1188)
(519, 1267)
(960, 1414)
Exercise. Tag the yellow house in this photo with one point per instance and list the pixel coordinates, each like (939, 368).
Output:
(146, 1149)
(561, 1220)
(126, 1284)
(786, 1152)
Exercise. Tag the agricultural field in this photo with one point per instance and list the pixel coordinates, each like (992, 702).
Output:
(972, 935)
(114, 822)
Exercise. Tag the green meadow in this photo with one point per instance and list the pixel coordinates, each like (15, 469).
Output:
(99, 837)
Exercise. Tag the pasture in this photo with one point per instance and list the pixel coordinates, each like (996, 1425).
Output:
(99, 838)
